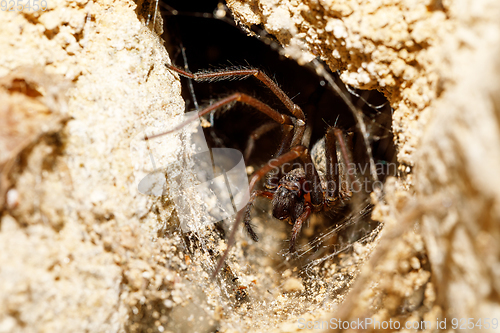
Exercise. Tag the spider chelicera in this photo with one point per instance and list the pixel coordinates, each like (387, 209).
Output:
(320, 183)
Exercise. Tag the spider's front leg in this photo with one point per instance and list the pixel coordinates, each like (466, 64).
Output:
(248, 209)
(313, 197)
(271, 181)
(297, 226)
(341, 180)
(295, 152)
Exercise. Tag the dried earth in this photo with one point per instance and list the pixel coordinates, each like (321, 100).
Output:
(83, 250)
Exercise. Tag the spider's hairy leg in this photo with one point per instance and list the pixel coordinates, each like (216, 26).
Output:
(236, 97)
(346, 156)
(243, 73)
(312, 177)
(332, 167)
(248, 208)
(274, 177)
(298, 225)
(294, 153)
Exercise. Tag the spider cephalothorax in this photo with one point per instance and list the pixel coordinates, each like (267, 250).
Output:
(295, 194)
(288, 199)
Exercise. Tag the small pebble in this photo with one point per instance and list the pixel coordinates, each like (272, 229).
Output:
(293, 284)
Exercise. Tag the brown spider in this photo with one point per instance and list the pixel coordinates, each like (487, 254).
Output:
(295, 194)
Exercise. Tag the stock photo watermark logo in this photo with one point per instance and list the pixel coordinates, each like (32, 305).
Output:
(217, 175)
